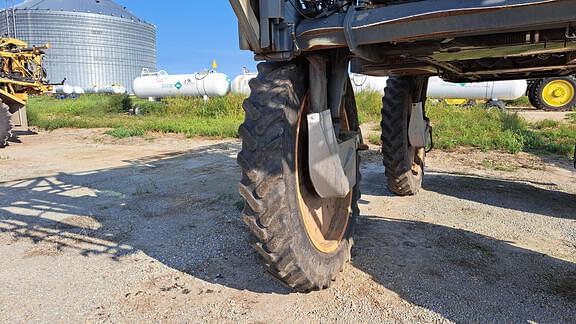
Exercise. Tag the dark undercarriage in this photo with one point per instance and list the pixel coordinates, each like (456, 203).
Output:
(470, 40)
(478, 58)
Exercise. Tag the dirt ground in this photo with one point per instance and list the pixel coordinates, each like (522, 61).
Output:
(94, 229)
(533, 115)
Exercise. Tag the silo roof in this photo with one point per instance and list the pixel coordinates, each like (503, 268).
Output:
(101, 7)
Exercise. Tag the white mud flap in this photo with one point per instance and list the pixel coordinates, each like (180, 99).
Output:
(418, 129)
(332, 165)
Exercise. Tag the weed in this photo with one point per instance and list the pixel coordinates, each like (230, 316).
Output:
(374, 139)
(126, 132)
(544, 124)
(240, 204)
(143, 189)
(495, 165)
(120, 103)
(225, 197)
(369, 105)
(520, 102)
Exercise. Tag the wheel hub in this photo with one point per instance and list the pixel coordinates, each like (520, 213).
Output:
(558, 93)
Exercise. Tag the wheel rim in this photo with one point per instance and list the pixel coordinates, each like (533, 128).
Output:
(456, 102)
(325, 220)
(558, 93)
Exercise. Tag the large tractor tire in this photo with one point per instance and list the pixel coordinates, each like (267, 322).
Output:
(304, 240)
(404, 163)
(5, 124)
(556, 94)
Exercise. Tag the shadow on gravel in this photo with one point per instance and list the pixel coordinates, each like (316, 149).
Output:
(517, 195)
(464, 276)
(181, 209)
(16, 134)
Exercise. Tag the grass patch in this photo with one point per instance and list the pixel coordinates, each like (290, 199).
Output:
(490, 129)
(495, 165)
(126, 132)
(218, 117)
(369, 106)
(486, 129)
(520, 102)
(374, 139)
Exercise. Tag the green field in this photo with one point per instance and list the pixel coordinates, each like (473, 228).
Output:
(486, 129)
(219, 117)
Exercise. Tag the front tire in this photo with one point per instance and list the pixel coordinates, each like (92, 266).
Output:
(404, 163)
(5, 125)
(304, 252)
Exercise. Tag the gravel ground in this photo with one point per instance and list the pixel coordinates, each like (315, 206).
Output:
(539, 115)
(100, 230)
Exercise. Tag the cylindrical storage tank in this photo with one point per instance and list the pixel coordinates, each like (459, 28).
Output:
(161, 85)
(64, 89)
(501, 90)
(361, 82)
(440, 89)
(91, 90)
(92, 42)
(78, 90)
(112, 90)
(240, 84)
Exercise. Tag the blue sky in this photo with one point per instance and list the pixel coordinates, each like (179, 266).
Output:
(192, 33)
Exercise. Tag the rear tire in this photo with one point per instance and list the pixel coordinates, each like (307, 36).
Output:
(5, 125)
(555, 94)
(533, 95)
(275, 187)
(404, 163)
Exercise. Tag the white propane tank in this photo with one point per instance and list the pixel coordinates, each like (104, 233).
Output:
(362, 82)
(64, 89)
(91, 90)
(440, 89)
(240, 84)
(437, 88)
(114, 89)
(161, 84)
(78, 90)
(501, 90)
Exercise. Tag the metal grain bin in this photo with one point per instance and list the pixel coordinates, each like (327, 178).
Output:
(94, 43)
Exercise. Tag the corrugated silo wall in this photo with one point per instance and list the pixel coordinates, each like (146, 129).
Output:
(88, 49)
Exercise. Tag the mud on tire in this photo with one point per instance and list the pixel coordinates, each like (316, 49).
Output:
(269, 181)
(5, 125)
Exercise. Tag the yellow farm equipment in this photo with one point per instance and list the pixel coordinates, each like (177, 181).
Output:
(21, 74)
